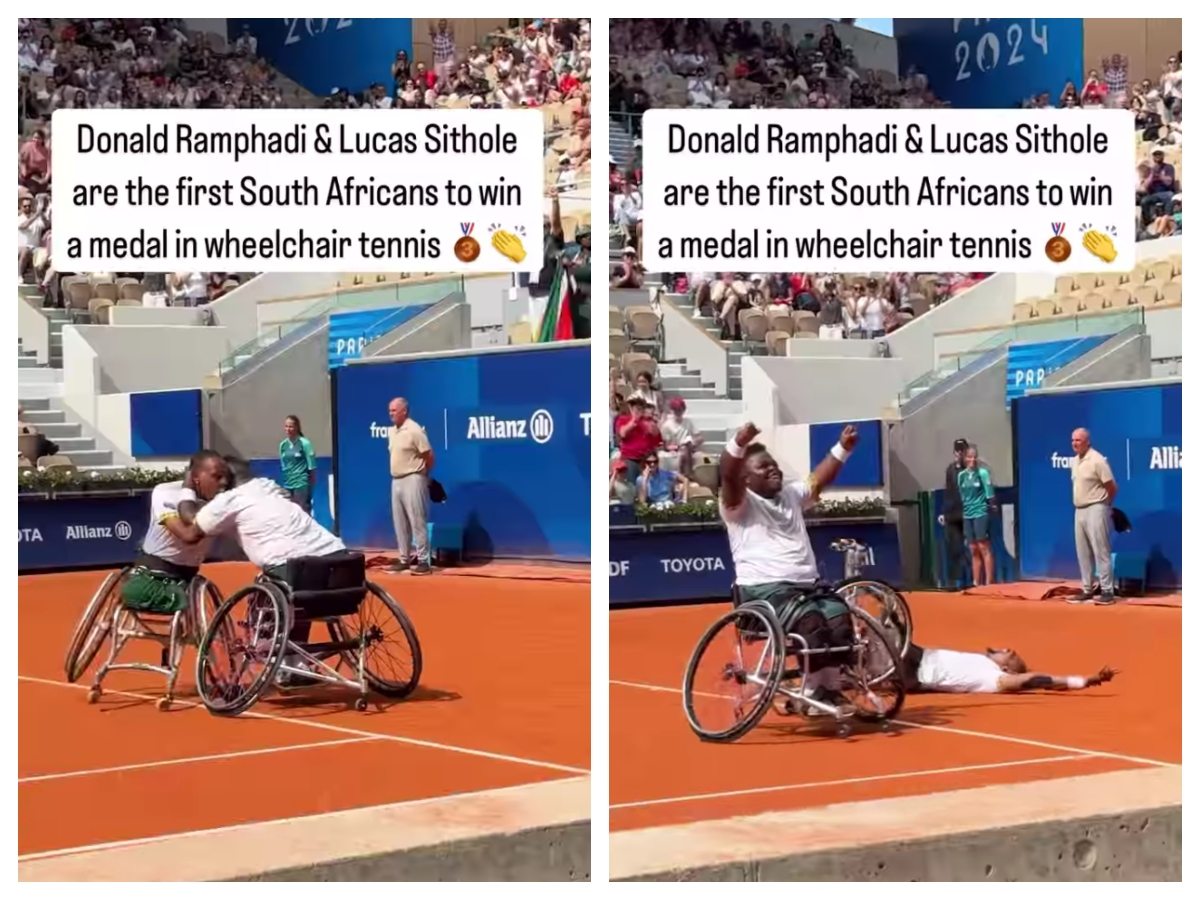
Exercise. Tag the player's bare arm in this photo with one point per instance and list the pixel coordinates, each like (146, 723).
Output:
(828, 468)
(1037, 681)
(733, 459)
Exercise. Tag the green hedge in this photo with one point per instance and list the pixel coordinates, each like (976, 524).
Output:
(55, 481)
(706, 511)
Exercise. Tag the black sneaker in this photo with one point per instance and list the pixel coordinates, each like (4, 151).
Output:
(1082, 597)
(421, 568)
(398, 566)
(1106, 598)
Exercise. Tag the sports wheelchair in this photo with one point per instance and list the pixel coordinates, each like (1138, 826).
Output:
(877, 598)
(106, 619)
(259, 638)
(739, 667)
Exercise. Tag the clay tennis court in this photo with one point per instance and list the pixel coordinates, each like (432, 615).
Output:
(676, 802)
(495, 740)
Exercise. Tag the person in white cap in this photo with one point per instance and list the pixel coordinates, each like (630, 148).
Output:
(628, 273)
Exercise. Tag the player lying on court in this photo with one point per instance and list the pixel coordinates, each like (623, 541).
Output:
(773, 558)
(993, 672)
(268, 526)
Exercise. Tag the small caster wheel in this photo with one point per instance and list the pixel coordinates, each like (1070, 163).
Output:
(843, 730)
(93, 695)
(361, 704)
(163, 704)
(886, 726)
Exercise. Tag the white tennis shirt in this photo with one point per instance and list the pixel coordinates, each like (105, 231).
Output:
(959, 673)
(164, 505)
(767, 538)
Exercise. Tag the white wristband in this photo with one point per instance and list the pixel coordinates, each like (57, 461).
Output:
(840, 453)
(733, 448)
(1076, 682)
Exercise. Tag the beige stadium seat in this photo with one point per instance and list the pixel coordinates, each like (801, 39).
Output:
(98, 310)
(1172, 292)
(106, 290)
(1119, 296)
(520, 333)
(754, 325)
(79, 294)
(128, 303)
(23, 463)
(706, 475)
(697, 491)
(57, 462)
(806, 323)
(1092, 302)
(780, 319)
(777, 343)
(1139, 275)
(133, 291)
(1161, 271)
(1145, 295)
(618, 343)
(1046, 308)
(1176, 262)
(615, 320)
(632, 364)
(1064, 284)
(27, 446)
(919, 302)
(1022, 311)
(805, 335)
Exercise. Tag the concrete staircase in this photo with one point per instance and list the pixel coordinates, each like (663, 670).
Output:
(57, 319)
(735, 351)
(52, 421)
(620, 141)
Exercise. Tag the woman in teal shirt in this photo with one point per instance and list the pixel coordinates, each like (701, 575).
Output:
(298, 464)
(975, 488)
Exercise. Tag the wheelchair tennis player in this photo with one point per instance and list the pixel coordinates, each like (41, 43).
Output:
(772, 555)
(993, 672)
(270, 528)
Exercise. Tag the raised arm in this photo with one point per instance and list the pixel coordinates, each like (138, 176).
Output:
(827, 469)
(733, 457)
(1037, 681)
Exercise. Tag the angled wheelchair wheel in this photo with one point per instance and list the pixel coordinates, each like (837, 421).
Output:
(392, 659)
(204, 599)
(95, 625)
(242, 649)
(874, 681)
(884, 604)
(734, 673)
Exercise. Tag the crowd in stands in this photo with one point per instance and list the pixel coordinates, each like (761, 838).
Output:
(1157, 106)
(654, 458)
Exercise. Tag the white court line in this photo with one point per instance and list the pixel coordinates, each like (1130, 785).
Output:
(223, 829)
(893, 776)
(81, 773)
(338, 729)
(1044, 745)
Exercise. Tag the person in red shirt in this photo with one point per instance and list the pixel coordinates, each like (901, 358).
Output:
(637, 434)
(568, 84)
(33, 163)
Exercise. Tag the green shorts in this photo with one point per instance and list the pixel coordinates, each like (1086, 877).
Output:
(154, 592)
(793, 600)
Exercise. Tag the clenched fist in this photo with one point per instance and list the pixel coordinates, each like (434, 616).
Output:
(746, 434)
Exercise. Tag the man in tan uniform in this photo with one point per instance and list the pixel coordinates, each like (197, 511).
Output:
(411, 459)
(1092, 491)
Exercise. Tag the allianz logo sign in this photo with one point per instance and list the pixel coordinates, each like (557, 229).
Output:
(1167, 457)
(539, 426)
(122, 531)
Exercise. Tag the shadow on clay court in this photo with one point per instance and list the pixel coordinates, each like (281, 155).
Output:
(298, 702)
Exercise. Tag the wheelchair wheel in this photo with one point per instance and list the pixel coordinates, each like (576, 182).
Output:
(204, 599)
(734, 673)
(242, 649)
(392, 662)
(884, 604)
(94, 625)
(875, 682)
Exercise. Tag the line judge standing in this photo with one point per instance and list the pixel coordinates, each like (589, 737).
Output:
(1092, 491)
(411, 460)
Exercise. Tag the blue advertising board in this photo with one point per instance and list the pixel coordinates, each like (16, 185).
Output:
(165, 423)
(670, 566)
(510, 432)
(1029, 364)
(80, 531)
(323, 54)
(1139, 430)
(864, 468)
(349, 332)
(992, 63)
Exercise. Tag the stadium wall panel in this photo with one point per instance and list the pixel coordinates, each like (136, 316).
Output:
(1138, 428)
(445, 326)
(1147, 43)
(524, 495)
(1126, 357)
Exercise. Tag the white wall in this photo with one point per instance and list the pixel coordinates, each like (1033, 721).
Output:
(154, 315)
(820, 390)
(113, 423)
(238, 310)
(685, 339)
(807, 347)
(33, 329)
(141, 357)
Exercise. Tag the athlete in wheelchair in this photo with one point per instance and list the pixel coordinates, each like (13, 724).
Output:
(162, 598)
(788, 639)
(262, 635)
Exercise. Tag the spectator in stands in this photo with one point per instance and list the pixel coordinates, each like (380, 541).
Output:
(621, 490)
(657, 486)
(43, 446)
(31, 223)
(1094, 90)
(643, 388)
(1172, 87)
(444, 52)
(1158, 187)
(1116, 78)
(637, 433)
(33, 162)
(832, 319)
(679, 435)
(401, 69)
(628, 272)
(627, 213)
(873, 309)
(1069, 96)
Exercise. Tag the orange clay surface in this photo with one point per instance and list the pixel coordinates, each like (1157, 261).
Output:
(662, 774)
(503, 701)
